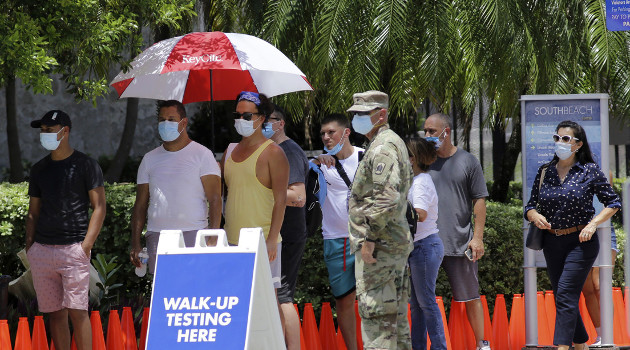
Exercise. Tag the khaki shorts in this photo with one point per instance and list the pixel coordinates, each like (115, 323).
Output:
(61, 276)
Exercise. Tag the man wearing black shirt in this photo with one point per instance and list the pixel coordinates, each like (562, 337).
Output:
(59, 232)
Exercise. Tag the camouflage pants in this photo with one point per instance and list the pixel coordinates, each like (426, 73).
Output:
(383, 293)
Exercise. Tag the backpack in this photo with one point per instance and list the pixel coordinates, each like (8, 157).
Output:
(412, 219)
(315, 195)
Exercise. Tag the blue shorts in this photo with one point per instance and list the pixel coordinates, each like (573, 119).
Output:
(340, 263)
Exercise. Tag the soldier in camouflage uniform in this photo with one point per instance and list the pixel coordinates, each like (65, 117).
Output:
(379, 233)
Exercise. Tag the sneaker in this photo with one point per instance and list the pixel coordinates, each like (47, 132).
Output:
(598, 341)
(485, 345)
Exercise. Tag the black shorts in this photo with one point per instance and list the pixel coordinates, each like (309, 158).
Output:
(291, 258)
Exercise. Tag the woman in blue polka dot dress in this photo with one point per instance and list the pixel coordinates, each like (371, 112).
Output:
(564, 208)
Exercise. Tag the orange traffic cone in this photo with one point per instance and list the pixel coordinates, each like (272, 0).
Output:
(23, 336)
(5, 337)
(550, 306)
(341, 344)
(517, 323)
(98, 339)
(487, 324)
(459, 328)
(620, 322)
(311, 334)
(302, 341)
(544, 336)
(73, 344)
(144, 328)
(500, 329)
(52, 344)
(129, 331)
(114, 332)
(358, 319)
(39, 341)
(586, 319)
(327, 334)
(409, 316)
(447, 334)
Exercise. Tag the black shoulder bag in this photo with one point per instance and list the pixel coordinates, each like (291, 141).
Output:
(535, 235)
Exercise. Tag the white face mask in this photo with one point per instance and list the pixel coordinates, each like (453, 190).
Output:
(244, 127)
(49, 140)
(563, 150)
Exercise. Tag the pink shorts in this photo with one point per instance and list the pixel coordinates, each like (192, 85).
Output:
(61, 276)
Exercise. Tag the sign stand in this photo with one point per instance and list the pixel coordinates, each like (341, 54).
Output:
(213, 297)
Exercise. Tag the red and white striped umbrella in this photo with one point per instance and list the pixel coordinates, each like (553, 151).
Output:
(209, 66)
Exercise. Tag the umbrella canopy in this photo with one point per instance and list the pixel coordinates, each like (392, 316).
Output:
(209, 66)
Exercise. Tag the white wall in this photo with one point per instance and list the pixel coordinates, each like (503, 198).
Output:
(95, 130)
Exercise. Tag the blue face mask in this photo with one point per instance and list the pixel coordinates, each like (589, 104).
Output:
(436, 139)
(337, 147)
(563, 150)
(169, 130)
(49, 140)
(267, 130)
(362, 123)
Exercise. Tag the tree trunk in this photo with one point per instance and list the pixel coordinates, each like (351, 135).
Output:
(308, 138)
(498, 147)
(126, 141)
(15, 155)
(501, 183)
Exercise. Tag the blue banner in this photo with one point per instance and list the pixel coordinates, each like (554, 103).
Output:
(201, 301)
(617, 15)
(541, 119)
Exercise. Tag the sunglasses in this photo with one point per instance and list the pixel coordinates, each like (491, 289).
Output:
(565, 138)
(247, 115)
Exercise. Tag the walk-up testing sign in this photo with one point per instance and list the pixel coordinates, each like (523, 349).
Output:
(213, 297)
(540, 114)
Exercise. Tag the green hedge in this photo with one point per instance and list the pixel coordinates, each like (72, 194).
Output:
(500, 270)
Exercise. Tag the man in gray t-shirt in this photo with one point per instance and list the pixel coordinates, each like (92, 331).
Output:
(293, 229)
(461, 189)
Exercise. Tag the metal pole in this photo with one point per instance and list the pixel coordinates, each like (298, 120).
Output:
(212, 115)
(604, 258)
(531, 304)
(605, 284)
(529, 258)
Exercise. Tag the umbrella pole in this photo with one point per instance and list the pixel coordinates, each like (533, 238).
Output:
(212, 115)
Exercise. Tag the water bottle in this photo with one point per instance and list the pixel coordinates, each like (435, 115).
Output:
(143, 256)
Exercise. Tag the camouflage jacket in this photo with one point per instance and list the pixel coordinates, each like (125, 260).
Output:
(378, 199)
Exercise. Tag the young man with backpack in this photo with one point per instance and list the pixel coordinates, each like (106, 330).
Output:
(338, 166)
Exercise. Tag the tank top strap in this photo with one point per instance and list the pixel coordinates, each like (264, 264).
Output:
(254, 156)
